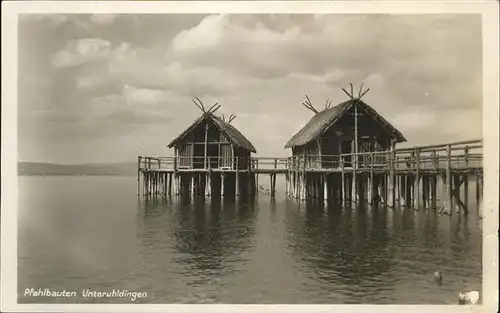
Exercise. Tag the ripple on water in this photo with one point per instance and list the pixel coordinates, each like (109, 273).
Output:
(264, 252)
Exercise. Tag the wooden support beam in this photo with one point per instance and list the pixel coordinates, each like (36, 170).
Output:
(424, 193)
(457, 182)
(416, 186)
(205, 146)
(466, 193)
(138, 175)
(237, 178)
(399, 189)
(222, 184)
(354, 158)
(449, 197)
(433, 187)
(325, 187)
(169, 188)
(391, 179)
(286, 184)
(343, 177)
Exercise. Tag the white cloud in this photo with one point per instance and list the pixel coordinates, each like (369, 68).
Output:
(261, 66)
(142, 95)
(80, 51)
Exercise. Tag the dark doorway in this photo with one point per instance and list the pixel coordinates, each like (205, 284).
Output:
(346, 148)
(213, 154)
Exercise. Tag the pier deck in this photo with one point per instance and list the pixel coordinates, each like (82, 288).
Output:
(429, 176)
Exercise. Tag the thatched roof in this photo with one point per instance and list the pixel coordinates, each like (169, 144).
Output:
(323, 120)
(233, 135)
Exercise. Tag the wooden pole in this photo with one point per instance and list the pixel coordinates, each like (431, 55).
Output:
(192, 186)
(399, 179)
(342, 173)
(205, 147)
(416, 186)
(466, 180)
(286, 184)
(479, 188)
(237, 185)
(355, 156)
(138, 175)
(456, 189)
(434, 191)
(169, 188)
(222, 184)
(208, 184)
(449, 195)
(325, 187)
(274, 184)
(392, 179)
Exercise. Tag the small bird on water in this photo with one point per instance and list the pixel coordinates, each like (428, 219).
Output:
(438, 278)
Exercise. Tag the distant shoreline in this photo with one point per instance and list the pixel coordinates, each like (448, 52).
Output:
(35, 174)
(93, 169)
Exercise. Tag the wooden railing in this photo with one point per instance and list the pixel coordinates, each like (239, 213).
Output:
(269, 163)
(458, 155)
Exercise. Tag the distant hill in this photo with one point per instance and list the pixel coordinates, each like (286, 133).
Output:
(115, 169)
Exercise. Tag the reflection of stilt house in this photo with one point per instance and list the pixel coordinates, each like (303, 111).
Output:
(212, 142)
(349, 127)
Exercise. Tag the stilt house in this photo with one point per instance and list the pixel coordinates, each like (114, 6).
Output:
(347, 128)
(212, 142)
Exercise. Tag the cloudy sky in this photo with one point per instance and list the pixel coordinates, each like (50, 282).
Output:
(106, 88)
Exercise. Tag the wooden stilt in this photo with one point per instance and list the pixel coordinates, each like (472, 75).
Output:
(287, 184)
(343, 182)
(354, 190)
(208, 184)
(466, 192)
(303, 186)
(325, 187)
(402, 187)
(456, 192)
(222, 183)
(237, 184)
(138, 175)
(478, 191)
(169, 185)
(399, 188)
(191, 190)
(274, 184)
(433, 186)
(449, 197)
(425, 192)
(391, 184)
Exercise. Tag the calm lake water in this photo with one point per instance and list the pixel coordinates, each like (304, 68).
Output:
(79, 233)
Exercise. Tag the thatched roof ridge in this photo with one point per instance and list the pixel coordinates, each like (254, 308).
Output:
(233, 135)
(321, 121)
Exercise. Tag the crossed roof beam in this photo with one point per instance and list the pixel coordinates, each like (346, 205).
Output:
(212, 110)
(308, 103)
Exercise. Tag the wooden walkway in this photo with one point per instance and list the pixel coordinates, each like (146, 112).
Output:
(426, 176)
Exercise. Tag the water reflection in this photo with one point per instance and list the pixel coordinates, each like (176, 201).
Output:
(340, 248)
(209, 237)
(270, 251)
(360, 249)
